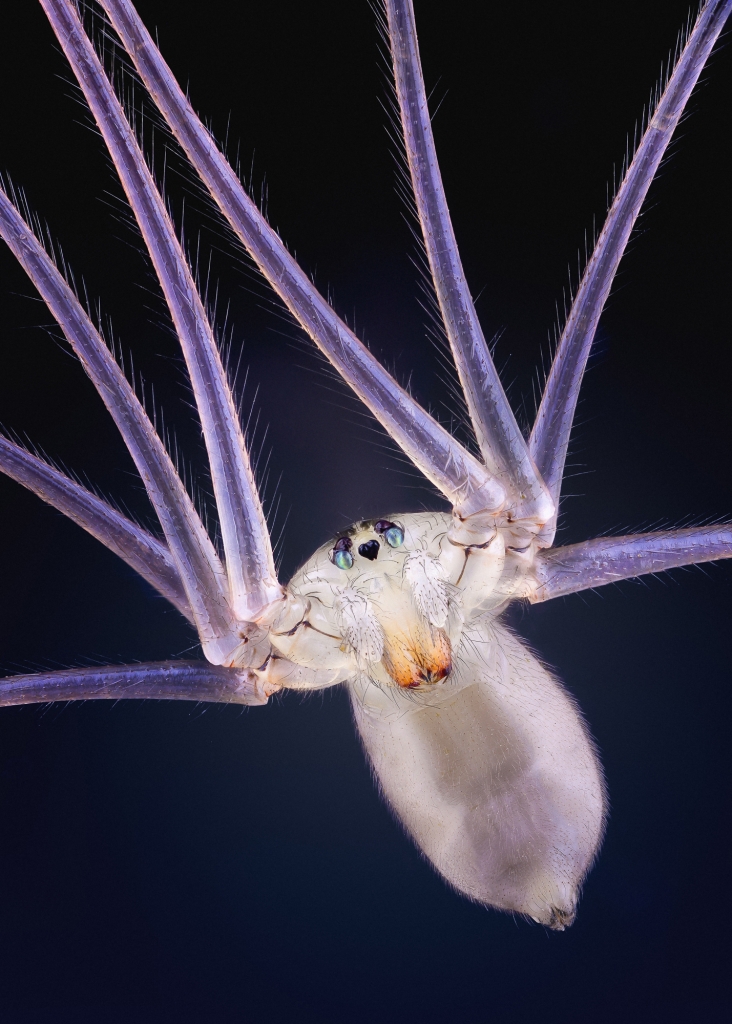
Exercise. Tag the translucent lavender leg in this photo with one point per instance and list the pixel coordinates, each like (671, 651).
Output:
(156, 680)
(503, 446)
(550, 435)
(610, 559)
(249, 561)
(198, 565)
(143, 552)
(460, 477)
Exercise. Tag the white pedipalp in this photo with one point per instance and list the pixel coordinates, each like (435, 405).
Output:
(358, 625)
(428, 580)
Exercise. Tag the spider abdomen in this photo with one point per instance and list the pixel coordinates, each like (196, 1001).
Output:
(493, 775)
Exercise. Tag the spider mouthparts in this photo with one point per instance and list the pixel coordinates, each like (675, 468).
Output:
(422, 658)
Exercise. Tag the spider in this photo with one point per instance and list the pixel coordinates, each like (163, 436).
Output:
(478, 750)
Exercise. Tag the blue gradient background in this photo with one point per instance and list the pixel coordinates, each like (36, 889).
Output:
(167, 863)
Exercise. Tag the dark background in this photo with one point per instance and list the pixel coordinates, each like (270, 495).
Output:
(174, 863)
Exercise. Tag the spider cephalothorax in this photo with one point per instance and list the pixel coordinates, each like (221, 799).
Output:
(392, 604)
(478, 749)
(392, 597)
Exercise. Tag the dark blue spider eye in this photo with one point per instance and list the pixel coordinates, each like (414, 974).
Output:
(392, 534)
(369, 550)
(341, 553)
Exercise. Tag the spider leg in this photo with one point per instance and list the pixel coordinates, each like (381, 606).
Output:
(460, 477)
(550, 435)
(610, 559)
(155, 680)
(143, 552)
(250, 566)
(502, 444)
(197, 562)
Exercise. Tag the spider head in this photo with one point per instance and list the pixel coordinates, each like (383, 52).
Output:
(385, 599)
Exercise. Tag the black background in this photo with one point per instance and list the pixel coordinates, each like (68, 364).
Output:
(166, 862)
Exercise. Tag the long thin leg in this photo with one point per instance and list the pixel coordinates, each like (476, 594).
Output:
(550, 436)
(155, 680)
(249, 561)
(503, 446)
(143, 552)
(198, 565)
(460, 477)
(610, 559)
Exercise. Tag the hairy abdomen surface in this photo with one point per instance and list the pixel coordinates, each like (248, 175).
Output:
(493, 774)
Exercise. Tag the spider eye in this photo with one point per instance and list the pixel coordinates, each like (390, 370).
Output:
(369, 550)
(392, 534)
(341, 554)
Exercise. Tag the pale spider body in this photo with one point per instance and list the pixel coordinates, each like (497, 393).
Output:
(476, 747)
